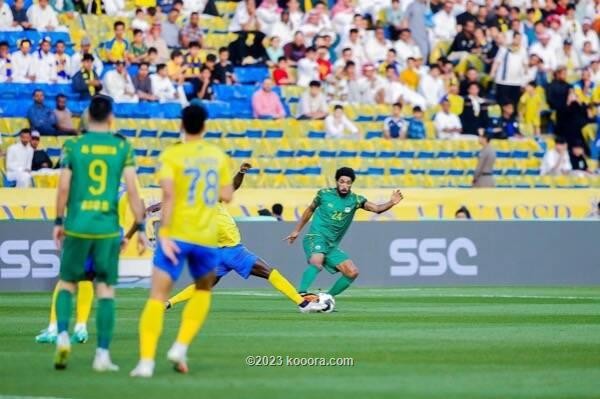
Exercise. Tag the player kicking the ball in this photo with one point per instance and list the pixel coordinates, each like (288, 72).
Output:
(92, 167)
(235, 256)
(333, 210)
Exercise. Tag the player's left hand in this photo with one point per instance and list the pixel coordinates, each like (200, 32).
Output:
(170, 249)
(245, 167)
(397, 197)
(58, 234)
(124, 243)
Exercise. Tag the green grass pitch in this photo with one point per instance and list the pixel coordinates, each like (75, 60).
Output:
(406, 343)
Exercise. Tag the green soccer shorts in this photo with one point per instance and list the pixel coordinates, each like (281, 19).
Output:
(315, 244)
(103, 255)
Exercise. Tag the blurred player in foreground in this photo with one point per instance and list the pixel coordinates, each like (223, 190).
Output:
(194, 176)
(235, 256)
(92, 167)
(334, 210)
(85, 289)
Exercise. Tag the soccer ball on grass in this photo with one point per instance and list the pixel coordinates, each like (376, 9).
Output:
(328, 301)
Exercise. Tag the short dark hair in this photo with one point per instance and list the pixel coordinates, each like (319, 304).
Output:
(314, 83)
(194, 43)
(204, 68)
(211, 58)
(281, 59)
(193, 118)
(117, 24)
(138, 10)
(417, 109)
(59, 42)
(560, 140)
(60, 95)
(399, 105)
(194, 13)
(349, 64)
(345, 171)
(36, 91)
(471, 84)
(24, 41)
(223, 50)
(346, 49)
(100, 108)
(88, 57)
(147, 64)
(277, 209)
(176, 53)
(463, 209)
(136, 31)
(152, 50)
(151, 11)
(311, 49)
(353, 30)
(160, 67)
(338, 106)
(3, 43)
(532, 84)
(25, 130)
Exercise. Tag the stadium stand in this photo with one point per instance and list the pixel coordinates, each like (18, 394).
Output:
(296, 153)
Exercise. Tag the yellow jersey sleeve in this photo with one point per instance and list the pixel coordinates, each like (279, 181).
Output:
(225, 177)
(167, 166)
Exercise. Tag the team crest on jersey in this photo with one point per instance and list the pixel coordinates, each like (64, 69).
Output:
(318, 247)
(347, 209)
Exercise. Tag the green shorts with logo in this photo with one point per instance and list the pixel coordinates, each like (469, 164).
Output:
(315, 244)
(84, 256)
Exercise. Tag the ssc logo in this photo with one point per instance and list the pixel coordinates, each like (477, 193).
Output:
(347, 210)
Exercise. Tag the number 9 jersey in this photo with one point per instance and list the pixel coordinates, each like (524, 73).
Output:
(198, 170)
(97, 161)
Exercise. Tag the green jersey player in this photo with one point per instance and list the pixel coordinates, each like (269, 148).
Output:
(333, 210)
(88, 189)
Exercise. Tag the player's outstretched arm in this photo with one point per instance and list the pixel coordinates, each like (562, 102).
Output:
(238, 179)
(62, 197)
(137, 206)
(380, 208)
(133, 227)
(306, 215)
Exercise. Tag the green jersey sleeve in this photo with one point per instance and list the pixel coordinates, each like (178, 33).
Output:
(66, 156)
(360, 201)
(318, 199)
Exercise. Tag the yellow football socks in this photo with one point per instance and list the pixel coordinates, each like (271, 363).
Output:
(183, 295)
(85, 299)
(193, 316)
(151, 324)
(282, 285)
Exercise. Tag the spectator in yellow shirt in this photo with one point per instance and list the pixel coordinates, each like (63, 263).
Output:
(530, 107)
(409, 75)
(456, 101)
(175, 68)
(117, 48)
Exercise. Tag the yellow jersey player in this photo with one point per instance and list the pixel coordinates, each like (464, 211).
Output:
(235, 256)
(194, 176)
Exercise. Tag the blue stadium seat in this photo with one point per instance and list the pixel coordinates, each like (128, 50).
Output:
(375, 171)
(146, 170)
(273, 134)
(217, 109)
(519, 154)
(445, 154)
(284, 153)
(316, 135)
(397, 171)
(53, 152)
(247, 75)
(417, 171)
(425, 155)
(368, 154)
(436, 172)
(406, 154)
(306, 153)
(254, 134)
(312, 170)
(140, 152)
(512, 172)
(327, 154)
(347, 154)
(456, 172)
(272, 171)
(532, 172)
(502, 154)
(234, 135)
(242, 154)
(128, 132)
(212, 135)
(364, 118)
(168, 135)
(145, 133)
(373, 135)
(386, 154)
(466, 154)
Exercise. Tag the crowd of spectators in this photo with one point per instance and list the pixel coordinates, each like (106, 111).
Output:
(448, 61)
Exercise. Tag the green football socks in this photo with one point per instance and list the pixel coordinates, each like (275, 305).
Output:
(64, 306)
(309, 275)
(340, 285)
(105, 321)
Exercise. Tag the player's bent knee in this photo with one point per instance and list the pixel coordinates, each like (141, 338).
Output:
(205, 282)
(105, 291)
(317, 261)
(262, 271)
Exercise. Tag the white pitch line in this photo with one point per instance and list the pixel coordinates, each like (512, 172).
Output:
(28, 397)
(382, 294)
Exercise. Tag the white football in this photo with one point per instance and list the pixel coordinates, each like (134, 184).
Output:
(328, 301)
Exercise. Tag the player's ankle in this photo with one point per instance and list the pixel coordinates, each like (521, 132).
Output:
(80, 327)
(304, 303)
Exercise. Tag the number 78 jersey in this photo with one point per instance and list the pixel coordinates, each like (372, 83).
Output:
(96, 161)
(198, 170)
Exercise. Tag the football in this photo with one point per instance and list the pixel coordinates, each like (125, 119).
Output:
(327, 300)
